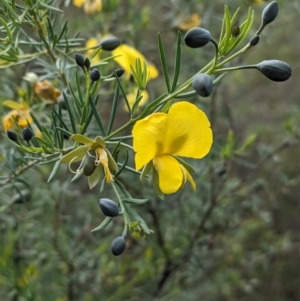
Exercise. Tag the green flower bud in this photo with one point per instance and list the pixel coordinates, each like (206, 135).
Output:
(79, 60)
(202, 84)
(118, 245)
(108, 207)
(254, 40)
(87, 63)
(270, 12)
(12, 135)
(110, 43)
(89, 163)
(27, 134)
(235, 30)
(275, 70)
(95, 75)
(197, 37)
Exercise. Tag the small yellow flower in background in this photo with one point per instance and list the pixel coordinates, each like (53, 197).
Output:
(126, 56)
(90, 7)
(45, 90)
(186, 24)
(90, 43)
(131, 98)
(21, 113)
(185, 131)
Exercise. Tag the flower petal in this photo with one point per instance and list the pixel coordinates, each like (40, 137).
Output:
(78, 3)
(170, 173)
(148, 138)
(188, 132)
(189, 177)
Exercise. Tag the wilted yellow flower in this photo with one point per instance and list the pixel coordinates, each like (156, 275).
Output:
(90, 7)
(46, 90)
(159, 138)
(186, 24)
(126, 56)
(131, 97)
(21, 113)
(102, 159)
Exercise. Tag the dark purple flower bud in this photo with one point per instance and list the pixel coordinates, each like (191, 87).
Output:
(12, 135)
(118, 245)
(27, 134)
(110, 43)
(270, 12)
(202, 84)
(254, 40)
(79, 60)
(197, 37)
(275, 70)
(108, 207)
(95, 75)
(118, 72)
(87, 63)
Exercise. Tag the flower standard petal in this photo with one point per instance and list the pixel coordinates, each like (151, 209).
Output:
(170, 173)
(148, 138)
(188, 132)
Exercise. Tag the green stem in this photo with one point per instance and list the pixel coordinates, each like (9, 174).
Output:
(126, 217)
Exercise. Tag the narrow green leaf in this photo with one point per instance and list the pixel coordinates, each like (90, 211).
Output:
(135, 201)
(113, 109)
(123, 165)
(103, 224)
(186, 95)
(177, 62)
(65, 132)
(122, 188)
(97, 116)
(48, 7)
(163, 61)
(124, 94)
(54, 170)
(71, 112)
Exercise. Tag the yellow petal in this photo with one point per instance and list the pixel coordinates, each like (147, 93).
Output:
(188, 132)
(15, 105)
(7, 120)
(170, 174)
(79, 3)
(126, 57)
(192, 21)
(148, 135)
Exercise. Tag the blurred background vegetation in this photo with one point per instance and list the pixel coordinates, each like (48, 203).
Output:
(235, 238)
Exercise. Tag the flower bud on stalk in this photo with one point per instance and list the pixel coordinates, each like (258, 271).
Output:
(87, 63)
(275, 70)
(95, 75)
(254, 40)
(27, 134)
(79, 60)
(118, 245)
(197, 37)
(202, 84)
(12, 135)
(110, 43)
(270, 13)
(108, 207)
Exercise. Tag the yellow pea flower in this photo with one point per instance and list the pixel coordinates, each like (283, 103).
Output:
(159, 138)
(90, 7)
(126, 56)
(21, 113)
